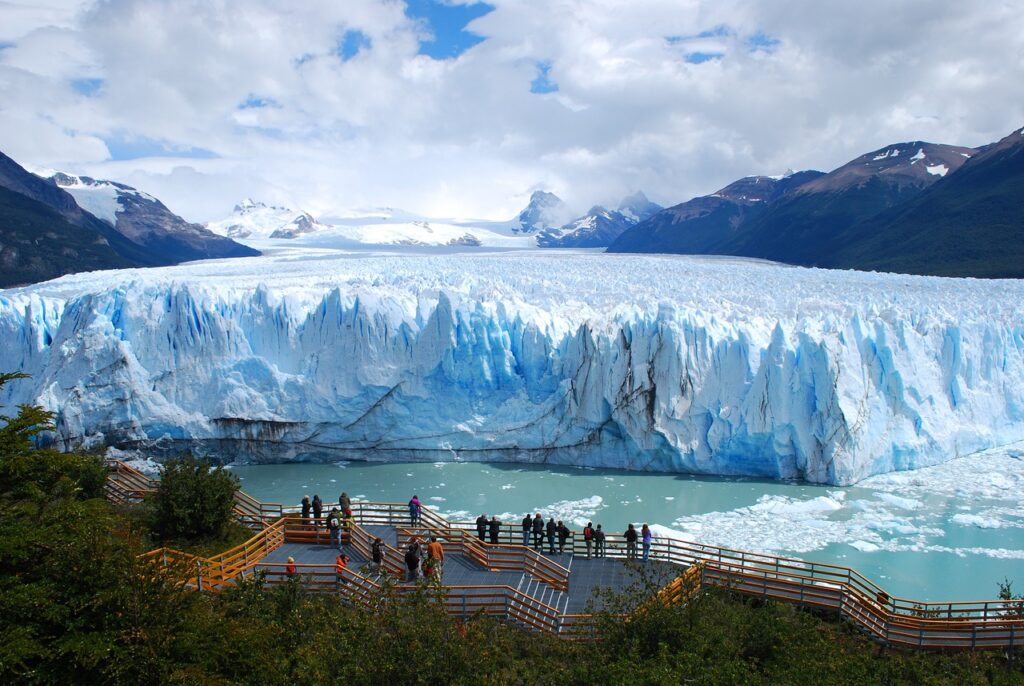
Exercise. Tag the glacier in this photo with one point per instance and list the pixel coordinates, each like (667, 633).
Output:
(659, 363)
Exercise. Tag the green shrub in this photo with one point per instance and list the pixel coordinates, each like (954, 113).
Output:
(193, 500)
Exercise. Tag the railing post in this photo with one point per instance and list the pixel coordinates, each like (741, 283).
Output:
(199, 575)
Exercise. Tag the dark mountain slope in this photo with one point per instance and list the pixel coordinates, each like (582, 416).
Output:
(971, 223)
(37, 243)
(708, 224)
(808, 225)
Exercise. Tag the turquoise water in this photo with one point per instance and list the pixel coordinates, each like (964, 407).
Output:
(947, 533)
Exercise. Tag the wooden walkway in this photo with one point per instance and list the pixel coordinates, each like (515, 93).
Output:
(551, 592)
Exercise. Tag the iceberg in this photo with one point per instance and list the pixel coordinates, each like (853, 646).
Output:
(660, 363)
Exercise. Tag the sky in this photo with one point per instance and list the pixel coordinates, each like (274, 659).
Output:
(454, 108)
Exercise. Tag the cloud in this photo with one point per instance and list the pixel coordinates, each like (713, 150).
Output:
(330, 105)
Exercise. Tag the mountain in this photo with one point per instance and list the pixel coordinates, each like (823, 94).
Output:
(600, 226)
(147, 222)
(638, 208)
(253, 219)
(46, 234)
(969, 223)
(806, 225)
(545, 210)
(38, 243)
(706, 224)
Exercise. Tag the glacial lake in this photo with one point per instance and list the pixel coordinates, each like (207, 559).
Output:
(943, 533)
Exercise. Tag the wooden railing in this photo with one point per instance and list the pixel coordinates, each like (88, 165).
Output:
(891, 620)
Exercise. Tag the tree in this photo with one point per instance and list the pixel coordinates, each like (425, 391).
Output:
(42, 475)
(193, 500)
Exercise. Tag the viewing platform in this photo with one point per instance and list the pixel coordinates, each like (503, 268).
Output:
(556, 592)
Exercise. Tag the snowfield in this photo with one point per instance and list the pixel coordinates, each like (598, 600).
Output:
(668, 363)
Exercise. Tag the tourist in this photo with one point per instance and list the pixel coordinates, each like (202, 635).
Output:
(435, 553)
(538, 532)
(630, 542)
(494, 525)
(527, 528)
(598, 542)
(344, 502)
(646, 538)
(563, 536)
(318, 508)
(340, 564)
(552, 533)
(481, 527)
(412, 560)
(414, 510)
(588, 537)
(377, 555)
(306, 508)
(289, 568)
(334, 527)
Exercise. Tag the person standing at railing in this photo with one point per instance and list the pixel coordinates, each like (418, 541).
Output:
(377, 555)
(538, 533)
(552, 533)
(481, 527)
(493, 526)
(412, 560)
(307, 508)
(563, 536)
(527, 528)
(631, 537)
(318, 508)
(344, 502)
(435, 553)
(414, 510)
(598, 541)
(588, 537)
(334, 527)
(645, 538)
(289, 569)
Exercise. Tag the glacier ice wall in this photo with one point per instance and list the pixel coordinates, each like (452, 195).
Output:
(670, 365)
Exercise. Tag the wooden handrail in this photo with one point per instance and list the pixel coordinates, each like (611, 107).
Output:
(900, 621)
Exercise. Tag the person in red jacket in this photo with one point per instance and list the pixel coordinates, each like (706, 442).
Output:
(289, 568)
(340, 565)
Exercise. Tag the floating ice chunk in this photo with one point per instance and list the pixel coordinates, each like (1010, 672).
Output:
(978, 521)
(897, 501)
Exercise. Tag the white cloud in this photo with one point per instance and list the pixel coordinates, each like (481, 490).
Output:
(799, 84)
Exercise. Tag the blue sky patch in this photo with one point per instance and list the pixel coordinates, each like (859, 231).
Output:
(762, 41)
(124, 148)
(447, 23)
(87, 87)
(543, 82)
(702, 57)
(254, 102)
(351, 44)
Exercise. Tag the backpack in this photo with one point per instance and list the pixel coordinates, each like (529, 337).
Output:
(588, 533)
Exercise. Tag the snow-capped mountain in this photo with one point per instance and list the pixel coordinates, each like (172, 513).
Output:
(638, 208)
(805, 218)
(545, 211)
(666, 363)
(146, 221)
(968, 223)
(599, 227)
(253, 219)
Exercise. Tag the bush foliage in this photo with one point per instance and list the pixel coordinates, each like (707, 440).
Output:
(194, 500)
